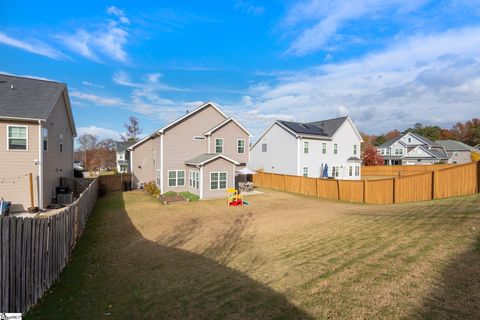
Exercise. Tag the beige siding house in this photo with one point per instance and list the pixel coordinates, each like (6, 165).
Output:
(36, 136)
(200, 153)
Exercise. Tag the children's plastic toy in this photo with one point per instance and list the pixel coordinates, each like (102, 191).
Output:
(234, 199)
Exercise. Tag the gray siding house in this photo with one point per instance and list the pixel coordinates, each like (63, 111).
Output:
(36, 136)
(411, 149)
(199, 152)
(458, 152)
(123, 156)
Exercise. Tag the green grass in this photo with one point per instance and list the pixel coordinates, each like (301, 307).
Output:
(189, 196)
(282, 257)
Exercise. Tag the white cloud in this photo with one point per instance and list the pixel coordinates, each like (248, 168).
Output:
(425, 78)
(98, 100)
(249, 7)
(90, 84)
(33, 46)
(317, 21)
(102, 133)
(118, 13)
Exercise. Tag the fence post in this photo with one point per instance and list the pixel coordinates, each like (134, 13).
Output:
(338, 189)
(478, 176)
(395, 189)
(364, 191)
(433, 184)
(284, 182)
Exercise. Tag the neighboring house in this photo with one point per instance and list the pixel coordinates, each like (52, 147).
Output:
(36, 136)
(123, 156)
(458, 152)
(410, 149)
(199, 152)
(305, 149)
(477, 147)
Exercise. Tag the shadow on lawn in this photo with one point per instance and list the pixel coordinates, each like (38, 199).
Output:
(116, 273)
(457, 294)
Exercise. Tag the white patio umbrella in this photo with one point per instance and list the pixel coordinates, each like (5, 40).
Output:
(246, 171)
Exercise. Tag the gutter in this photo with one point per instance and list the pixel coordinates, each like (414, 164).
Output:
(40, 166)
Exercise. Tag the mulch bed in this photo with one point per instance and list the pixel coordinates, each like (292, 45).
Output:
(169, 199)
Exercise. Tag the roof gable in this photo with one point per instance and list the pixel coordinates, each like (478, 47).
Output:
(209, 157)
(223, 123)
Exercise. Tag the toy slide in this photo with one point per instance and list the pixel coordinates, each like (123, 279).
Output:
(234, 199)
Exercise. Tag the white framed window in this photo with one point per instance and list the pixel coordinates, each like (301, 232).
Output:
(218, 145)
(350, 171)
(199, 138)
(159, 177)
(218, 180)
(324, 148)
(17, 137)
(45, 139)
(387, 151)
(240, 146)
(409, 140)
(305, 171)
(264, 147)
(398, 151)
(335, 148)
(354, 149)
(120, 156)
(194, 179)
(176, 178)
(335, 172)
(305, 147)
(60, 138)
(357, 171)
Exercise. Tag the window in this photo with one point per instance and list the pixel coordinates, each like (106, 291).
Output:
(381, 151)
(350, 171)
(218, 180)
(120, 156)
(219, 145)
(305, 171)
(324, 148)
(159, 177)
(357, 171)
(45, 139)
(334, 172)
(305, 147)
(199, 138)
(240, 146)
(264, 147)
(194, 180)
(355, 149)
(387, 151)
(61, 142)
(335, 148)
(398, 151)
(17, 137)
(409, 140)
(176, 178)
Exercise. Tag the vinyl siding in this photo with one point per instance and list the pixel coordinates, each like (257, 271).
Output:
(217, 166)
(57, 164)
(15, 163)
(230, 133)
(142, 162)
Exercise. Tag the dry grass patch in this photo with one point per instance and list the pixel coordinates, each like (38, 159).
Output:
(284, 256)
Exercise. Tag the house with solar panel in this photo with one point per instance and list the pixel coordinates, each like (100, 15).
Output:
(321, 149)
(37, 130)
(412, 149)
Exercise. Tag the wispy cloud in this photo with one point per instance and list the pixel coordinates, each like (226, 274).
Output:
(33, 46)
(249, 7)
(107, 40)
(102, 133)
(94, 85)
(316, 22)
(96, 99)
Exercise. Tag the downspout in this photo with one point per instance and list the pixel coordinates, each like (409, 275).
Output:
(161, 163)
(298, 156)
(208, 141)
(201, 182)
(40, 166)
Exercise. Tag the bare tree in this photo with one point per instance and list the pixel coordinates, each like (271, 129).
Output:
(87, 141)
(108, 144)
(133, 130)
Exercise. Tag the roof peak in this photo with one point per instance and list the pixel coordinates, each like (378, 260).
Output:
(31, 78)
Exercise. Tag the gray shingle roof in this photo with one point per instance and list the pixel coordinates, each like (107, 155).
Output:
(203, 158)
(325, 128)
(122, 146)
(29, 98)
(419, 137)
(452, 145)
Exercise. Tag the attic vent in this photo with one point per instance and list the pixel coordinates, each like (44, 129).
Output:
(11, 87)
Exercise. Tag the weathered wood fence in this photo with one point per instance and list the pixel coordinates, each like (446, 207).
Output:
(404, 170)
(451, 181)
(114, 182)
(33, 251)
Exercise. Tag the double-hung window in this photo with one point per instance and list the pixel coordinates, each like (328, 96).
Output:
(218, 180)
(159, 177)
(335, 148)
(335, 172)
(17, 137)
(240, 146)
(324, 148)
(350, 171)
(305, 171)
(357, 171)
(176, 178)
(264, 147)
(194, 179)
(398, 151)
(354, 149)
(218, 145)
(305, 147)
(45, 139)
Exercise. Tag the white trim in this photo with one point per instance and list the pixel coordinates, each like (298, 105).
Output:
(209, 132)
(40, 166)
(359, 136)
(244, 146)
(209, 142)
(218, 155)
(191, 180)
(131, 163)
(161, 164)
(223, 145)
(201, 182)
(192, 113)
(226, 180)
(308, 147)
(298, 155)
(140, 142)
(26, 137)
(176, 178)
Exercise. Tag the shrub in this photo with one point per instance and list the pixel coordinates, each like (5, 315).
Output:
(151, 188)
(169, 193)
(189, 196)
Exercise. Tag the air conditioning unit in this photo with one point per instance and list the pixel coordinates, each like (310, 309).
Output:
(64, 198)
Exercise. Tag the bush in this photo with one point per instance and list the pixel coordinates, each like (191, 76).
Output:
(151, 188)
(169, 193)
(189, 196)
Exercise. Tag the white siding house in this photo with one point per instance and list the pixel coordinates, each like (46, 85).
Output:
(307, 148)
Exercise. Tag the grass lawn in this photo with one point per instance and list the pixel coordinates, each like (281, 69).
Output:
(285, 257)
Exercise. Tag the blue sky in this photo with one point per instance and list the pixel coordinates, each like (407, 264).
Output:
(388, 64)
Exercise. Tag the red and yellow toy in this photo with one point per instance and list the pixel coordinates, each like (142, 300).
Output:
(234, 199)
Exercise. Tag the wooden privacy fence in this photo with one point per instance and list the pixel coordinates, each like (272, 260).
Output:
(451, 181)
(405, 170)
(33, 251)
(114, 182)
